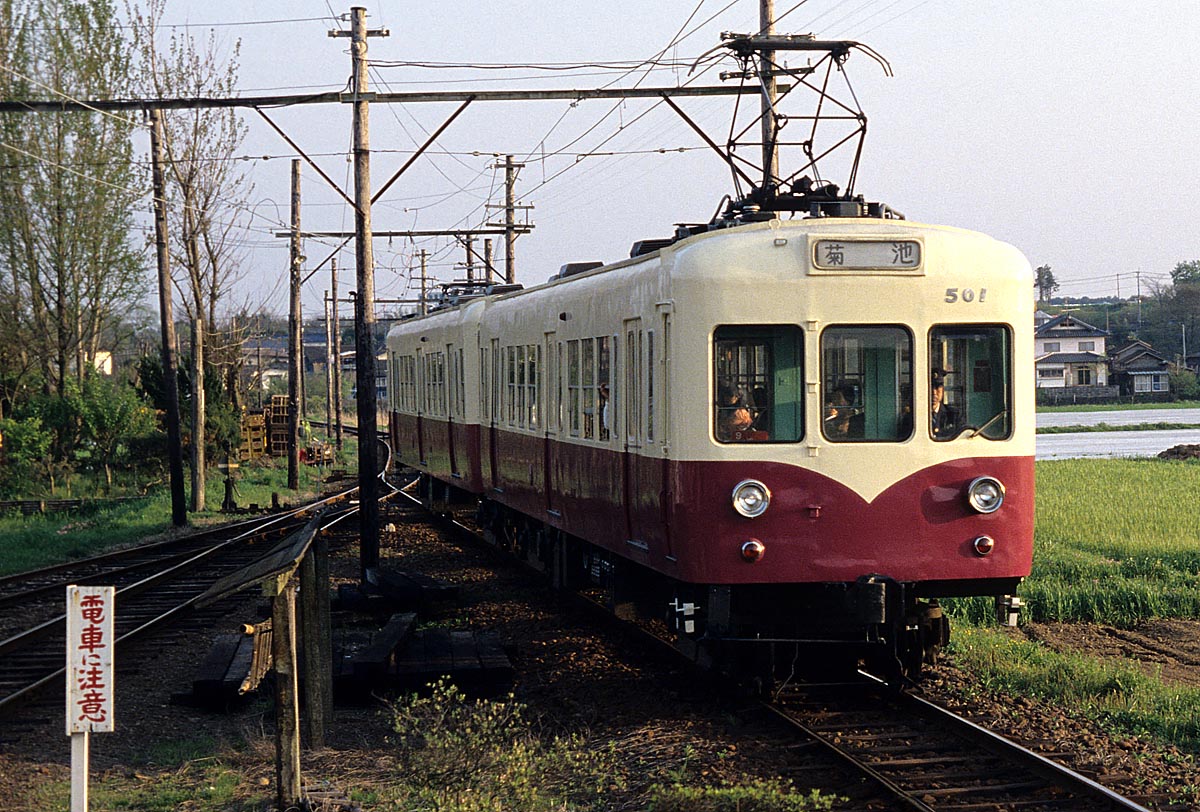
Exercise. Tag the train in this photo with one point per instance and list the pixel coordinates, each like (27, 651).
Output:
(785, 440)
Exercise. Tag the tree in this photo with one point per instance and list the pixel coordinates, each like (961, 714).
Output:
(1045, 283)
(1186, 272)
(207, 191)
(70, 268)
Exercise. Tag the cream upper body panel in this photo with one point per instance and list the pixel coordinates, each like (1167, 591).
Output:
(764, 274)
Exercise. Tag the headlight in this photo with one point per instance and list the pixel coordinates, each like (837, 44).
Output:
(985, 494)
(751, 498)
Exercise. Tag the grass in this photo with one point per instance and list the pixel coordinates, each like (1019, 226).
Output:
(1118, 695)
(1116, 541)
(1116, 407)
(29, 542)
(1162, 426)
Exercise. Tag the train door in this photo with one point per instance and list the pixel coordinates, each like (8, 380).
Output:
(422, 404)
(548, 392)
(451, 406)
(493, 462)
(633, 342)
(666, 496)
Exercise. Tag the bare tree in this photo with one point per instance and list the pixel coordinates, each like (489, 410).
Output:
(208, 191)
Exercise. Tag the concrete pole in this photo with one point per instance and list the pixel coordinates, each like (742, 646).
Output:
(487, 259)
(424, 282)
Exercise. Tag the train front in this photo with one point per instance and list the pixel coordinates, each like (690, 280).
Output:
(868, 441)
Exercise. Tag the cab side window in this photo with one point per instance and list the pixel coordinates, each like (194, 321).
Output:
(757, 389)
(973, 365)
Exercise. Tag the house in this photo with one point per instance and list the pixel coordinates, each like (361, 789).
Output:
(1139, 369)
(1069, 352)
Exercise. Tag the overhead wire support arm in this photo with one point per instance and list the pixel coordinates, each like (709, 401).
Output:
(728, 158)
(310, 161)
(428, 142)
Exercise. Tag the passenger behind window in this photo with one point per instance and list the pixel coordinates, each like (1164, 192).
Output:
(733, 417)
(943, 418)
(761, 402)
(843, 420)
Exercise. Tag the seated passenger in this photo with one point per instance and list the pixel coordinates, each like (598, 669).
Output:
(842, 419)
(732, 414)
(762, 408)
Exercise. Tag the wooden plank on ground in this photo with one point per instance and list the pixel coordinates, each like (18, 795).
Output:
(371, 664)
(210, 676)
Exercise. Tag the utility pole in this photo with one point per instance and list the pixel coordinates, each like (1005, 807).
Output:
(364, 312)
(329, 364)
(770, 151)
(510, 234)
(511, 228)
(1138, 274)
(468, 240)
(424, 282)
(487, 260)
(167, 320)
(337, 351)
(294, 348)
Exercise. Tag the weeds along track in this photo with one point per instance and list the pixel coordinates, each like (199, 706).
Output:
(157, 586)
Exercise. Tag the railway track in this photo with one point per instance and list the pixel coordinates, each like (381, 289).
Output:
(924, 757)
(909, 752)
(156, 584)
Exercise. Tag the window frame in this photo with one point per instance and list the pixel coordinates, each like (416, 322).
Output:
(768, 333)
(1008, 377)
(821, 393)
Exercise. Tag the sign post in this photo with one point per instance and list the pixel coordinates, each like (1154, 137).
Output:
(90, 611)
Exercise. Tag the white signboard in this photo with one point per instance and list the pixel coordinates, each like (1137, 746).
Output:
(90, 659)
(867, 255)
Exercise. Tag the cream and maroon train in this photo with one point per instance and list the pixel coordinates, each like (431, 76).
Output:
(736, 429)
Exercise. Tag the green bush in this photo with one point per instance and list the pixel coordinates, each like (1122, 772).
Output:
(462, 755)
(758, 795)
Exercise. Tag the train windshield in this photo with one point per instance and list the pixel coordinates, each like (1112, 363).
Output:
(970, 365)
(866, 378)
(757, 371)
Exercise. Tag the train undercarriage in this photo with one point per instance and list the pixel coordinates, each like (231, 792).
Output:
(762, 633)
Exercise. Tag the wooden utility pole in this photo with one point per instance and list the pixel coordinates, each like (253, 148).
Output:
(510, 225)
(329, 365)
(294, 348)
(337, 351)
(318, 640)
(424, 282)
(364, 310)
(468, 241)
(487, 260)
(510, 220)
(167, 320)
(287, 703)
(770, 151)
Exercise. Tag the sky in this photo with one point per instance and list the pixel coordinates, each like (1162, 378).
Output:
(1064, 128)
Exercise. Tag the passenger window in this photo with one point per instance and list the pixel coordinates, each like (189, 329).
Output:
(866, 384)
(758, 374)
(970, 389)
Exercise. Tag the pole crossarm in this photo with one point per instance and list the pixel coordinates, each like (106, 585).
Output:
(197, 102)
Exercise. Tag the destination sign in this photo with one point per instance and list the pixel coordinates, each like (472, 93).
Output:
(867, 255)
